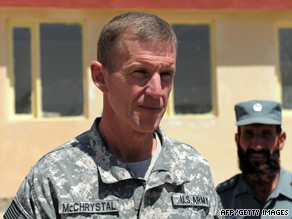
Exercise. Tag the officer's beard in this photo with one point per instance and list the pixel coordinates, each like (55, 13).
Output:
(258, 172)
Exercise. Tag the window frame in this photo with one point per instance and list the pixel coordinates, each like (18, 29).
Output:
(36, 80)
(277, 26)
(170, 111)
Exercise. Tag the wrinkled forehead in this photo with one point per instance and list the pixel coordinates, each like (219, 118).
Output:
(155, 42)
(123, 44)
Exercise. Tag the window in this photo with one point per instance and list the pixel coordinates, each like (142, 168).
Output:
(192, 92)
(285, 65)
(47, 69)
(22, 70)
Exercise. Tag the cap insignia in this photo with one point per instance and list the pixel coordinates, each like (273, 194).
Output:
(257, 107)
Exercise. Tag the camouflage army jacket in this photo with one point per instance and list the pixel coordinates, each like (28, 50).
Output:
(81, 179)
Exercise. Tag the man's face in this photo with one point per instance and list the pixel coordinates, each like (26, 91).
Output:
(138, 89)
(258, 151)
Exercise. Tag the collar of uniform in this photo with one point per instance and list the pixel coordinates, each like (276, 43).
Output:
(111, 169)
(242, 187)
(167, 169)
(284, 184)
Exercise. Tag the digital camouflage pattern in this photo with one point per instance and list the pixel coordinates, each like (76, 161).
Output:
(82, 179)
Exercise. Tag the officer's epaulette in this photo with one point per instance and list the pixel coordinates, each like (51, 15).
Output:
(228, 184)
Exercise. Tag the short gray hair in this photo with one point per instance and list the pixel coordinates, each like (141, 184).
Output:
(148, 27)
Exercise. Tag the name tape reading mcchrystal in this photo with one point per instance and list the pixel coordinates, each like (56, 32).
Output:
(88, 207)
(254, 212)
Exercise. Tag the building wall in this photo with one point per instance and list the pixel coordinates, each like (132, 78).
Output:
(245, 68)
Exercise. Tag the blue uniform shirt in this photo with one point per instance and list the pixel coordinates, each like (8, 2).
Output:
(235, 193)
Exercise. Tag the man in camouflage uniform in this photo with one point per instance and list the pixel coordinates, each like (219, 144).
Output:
(124, 166)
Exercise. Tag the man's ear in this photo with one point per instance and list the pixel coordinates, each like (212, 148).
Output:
(97, 75)
(282, 138)
(236, 138)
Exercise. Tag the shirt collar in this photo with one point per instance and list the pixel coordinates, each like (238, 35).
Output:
(242, 186)
(284, 184)
(112, 170)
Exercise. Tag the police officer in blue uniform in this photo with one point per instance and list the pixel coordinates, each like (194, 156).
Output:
(263, 184)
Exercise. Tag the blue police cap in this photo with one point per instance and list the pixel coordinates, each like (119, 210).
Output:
(258, 111)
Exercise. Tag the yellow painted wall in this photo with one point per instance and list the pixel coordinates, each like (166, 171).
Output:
(245, 68)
